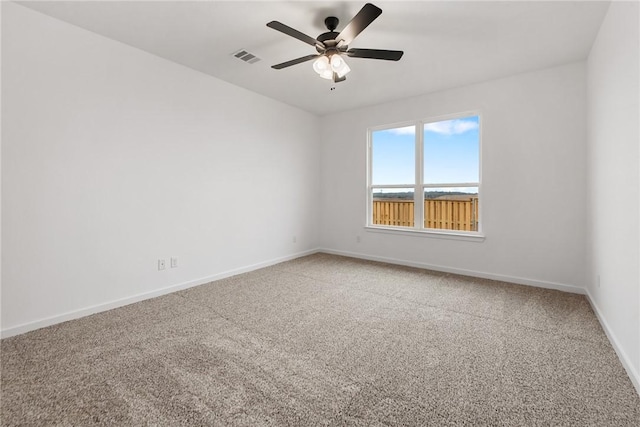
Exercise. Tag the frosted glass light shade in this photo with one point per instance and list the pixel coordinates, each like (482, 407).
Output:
(339, 66)
(336, 62)
(321, 64)
(343, 70)
(327, 74)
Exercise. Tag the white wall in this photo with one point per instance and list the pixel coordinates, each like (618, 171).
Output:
(113, 158)
(613, 180)
(533, 190)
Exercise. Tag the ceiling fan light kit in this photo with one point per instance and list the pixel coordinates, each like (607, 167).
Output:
(326, 66)
(331, 46)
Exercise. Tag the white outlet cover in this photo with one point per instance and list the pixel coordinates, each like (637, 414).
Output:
(161, 264)
(174, 262)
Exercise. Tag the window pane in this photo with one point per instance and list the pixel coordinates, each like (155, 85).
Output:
(451, 208)
(393, 156)
(393, 207)
(452, 151)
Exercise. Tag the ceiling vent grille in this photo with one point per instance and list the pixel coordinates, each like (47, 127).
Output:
(245, 56)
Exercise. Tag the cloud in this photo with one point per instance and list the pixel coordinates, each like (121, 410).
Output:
(409, 130)
(451, 127)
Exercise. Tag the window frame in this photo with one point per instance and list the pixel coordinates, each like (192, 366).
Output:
(419, 186)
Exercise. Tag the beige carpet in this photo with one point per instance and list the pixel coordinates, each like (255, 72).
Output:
(325, 340)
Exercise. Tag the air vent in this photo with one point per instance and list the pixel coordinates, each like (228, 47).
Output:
(245, 56)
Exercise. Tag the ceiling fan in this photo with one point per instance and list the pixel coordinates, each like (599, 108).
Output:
(332, 46)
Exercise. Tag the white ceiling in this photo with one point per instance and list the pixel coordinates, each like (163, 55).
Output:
(446, 43)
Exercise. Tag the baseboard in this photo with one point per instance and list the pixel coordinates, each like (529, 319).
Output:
(76, 314)
(622, 355)
(504, 278)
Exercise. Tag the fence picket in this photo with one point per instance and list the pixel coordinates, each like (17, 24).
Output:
(442, 214)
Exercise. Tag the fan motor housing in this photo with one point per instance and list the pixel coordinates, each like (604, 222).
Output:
(330, 43)
(331, 35)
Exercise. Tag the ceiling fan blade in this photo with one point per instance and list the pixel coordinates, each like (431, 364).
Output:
(295, 61)
(279, 26)
(389, 55)
(366, 16)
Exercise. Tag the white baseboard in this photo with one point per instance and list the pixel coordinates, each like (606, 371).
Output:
(76, 314)
(622, 355)
(624, 359)
(504, 278)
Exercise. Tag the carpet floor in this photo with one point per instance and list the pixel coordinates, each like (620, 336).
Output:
(325, 340)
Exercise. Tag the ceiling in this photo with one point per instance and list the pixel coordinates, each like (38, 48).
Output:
(446, 43)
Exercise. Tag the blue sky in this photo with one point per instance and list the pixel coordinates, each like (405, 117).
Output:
(451, 153)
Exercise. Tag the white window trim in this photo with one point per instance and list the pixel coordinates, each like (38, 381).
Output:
(419, 185)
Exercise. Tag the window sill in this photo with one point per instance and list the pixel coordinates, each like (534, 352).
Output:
(451, 235)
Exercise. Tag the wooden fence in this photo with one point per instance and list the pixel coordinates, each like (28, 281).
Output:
(442, 214)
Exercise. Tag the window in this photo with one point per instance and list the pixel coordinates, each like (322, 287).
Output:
(425, 176)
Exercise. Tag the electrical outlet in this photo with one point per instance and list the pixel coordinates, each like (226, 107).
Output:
(358, 239)
(161, 264)
(295, 239)
(174, 262)
(598, 281)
